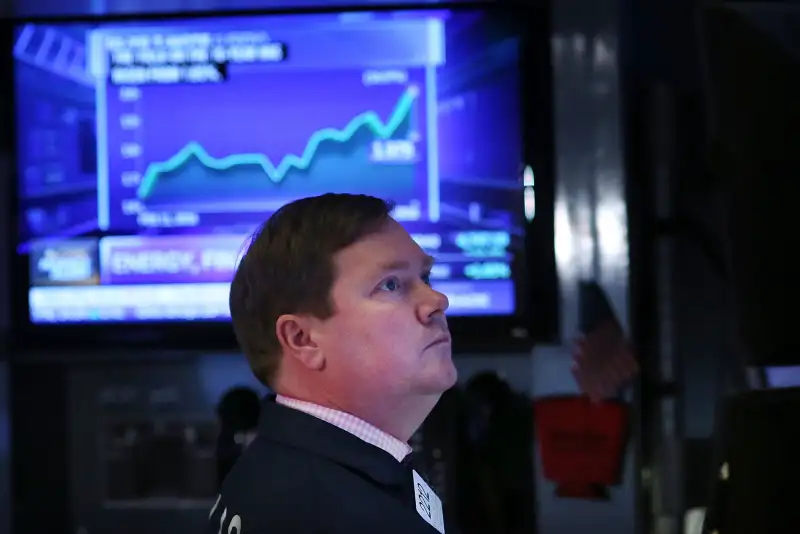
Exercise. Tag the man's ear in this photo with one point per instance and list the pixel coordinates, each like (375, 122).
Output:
(294, 335)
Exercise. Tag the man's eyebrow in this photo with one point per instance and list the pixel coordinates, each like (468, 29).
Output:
(404, 265)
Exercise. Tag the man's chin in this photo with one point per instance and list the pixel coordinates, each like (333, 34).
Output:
(448, 373)
(440, 375)
(452, 380)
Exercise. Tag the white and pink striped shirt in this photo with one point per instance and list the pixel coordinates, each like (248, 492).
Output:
(352, 424)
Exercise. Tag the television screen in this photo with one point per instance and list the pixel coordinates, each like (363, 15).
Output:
(148, 151)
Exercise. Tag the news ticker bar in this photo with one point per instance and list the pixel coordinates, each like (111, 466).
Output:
(209, 301)
(128, 260)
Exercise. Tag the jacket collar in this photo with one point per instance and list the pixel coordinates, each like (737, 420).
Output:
(300, 430)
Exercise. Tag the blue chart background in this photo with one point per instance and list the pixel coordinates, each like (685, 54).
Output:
(273, 110)
(270, 116)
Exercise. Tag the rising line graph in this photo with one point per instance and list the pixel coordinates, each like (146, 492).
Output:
(276, 173)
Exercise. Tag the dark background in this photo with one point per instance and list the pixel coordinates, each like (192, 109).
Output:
(628, 93)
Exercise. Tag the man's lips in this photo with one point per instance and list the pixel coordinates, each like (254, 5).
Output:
(444, 338)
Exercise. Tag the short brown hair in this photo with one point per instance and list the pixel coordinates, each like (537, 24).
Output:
(288, 268)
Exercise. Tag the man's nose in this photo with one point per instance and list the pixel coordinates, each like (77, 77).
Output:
(433, 304)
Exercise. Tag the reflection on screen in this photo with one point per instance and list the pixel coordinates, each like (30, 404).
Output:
(150, 151)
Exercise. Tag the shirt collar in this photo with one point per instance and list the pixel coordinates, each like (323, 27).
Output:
(352, 424)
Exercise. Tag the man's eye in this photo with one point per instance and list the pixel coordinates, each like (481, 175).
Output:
(392, 284)
(426, 278)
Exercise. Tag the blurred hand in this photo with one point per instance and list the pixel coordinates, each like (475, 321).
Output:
(603, 362)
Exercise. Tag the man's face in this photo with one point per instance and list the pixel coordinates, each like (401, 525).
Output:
(388, 332)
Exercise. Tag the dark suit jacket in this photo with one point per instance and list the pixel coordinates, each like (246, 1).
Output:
(302, 475)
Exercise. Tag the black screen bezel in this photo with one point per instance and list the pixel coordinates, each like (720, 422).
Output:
(536, 281)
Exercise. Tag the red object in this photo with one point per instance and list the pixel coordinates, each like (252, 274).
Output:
(581, 443)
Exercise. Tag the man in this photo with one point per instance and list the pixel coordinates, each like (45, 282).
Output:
(333, 308)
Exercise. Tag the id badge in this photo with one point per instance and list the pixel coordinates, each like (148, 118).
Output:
(429, 506)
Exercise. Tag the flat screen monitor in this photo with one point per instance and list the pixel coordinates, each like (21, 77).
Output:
(149, 150)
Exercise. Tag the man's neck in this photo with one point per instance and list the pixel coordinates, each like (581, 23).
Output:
(397, 417)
